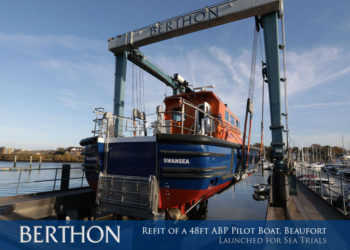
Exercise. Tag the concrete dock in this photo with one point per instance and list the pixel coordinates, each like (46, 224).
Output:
(75, 203)
(306, 205)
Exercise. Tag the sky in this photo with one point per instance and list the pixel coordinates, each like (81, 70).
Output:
(55, 67)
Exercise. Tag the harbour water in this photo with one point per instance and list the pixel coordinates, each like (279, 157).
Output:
(17, 182)
(236, 203)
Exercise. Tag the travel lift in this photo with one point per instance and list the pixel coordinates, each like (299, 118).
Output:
(125, 47)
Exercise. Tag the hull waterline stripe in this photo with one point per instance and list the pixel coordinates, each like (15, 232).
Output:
(190, 170)
(193, 175)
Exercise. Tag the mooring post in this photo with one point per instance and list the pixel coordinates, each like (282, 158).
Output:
(343, 194)
(329, 189)
(292, 179)
(65, 176)
(30, 161)
(119, 90)
(15, 161)
(40, 161)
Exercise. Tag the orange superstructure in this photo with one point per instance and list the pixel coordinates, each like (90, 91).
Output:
(202, 112)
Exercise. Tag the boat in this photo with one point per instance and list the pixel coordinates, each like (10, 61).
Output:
(260, 197)
(345, 157)
(262, 188)
(334, 169)
(317, 166)
(193, 153)
(267, 165)
(345, 174)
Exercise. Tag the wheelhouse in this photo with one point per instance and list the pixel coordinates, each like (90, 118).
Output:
(201, 113)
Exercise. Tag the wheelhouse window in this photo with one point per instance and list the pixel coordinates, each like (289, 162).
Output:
(176, 115)
(232, 120)
(227, 116)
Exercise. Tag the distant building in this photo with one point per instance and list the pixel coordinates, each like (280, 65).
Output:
(75, 150)
(5, 150)
(2, 150)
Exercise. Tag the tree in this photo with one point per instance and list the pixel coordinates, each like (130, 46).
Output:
(60, 151)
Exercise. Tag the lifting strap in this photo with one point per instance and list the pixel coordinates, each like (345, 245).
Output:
(249, 107)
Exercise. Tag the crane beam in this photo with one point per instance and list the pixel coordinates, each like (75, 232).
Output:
(136, 57)
(210, 16)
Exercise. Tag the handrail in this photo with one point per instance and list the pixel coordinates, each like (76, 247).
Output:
(33, 169)
(136, 126)
(45, 178)
(329, 187)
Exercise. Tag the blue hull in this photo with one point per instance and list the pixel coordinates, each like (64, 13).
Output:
(179, 162)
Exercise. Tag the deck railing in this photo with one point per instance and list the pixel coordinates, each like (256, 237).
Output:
(45, 179)
(335, 189)
(201, 122)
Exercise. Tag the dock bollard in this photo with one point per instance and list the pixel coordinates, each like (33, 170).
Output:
(15, 161)
(292, 179)
(65, 176)
(30, 162)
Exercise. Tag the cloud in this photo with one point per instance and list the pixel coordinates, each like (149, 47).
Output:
(238, 68)
(85, 64)
(98, 73)
(321, 104)
(211, 65)
(68, 99)
(320, 137)
(314, 67)
(68, 58)
(306, 70)
(216, 66)
(40, 42)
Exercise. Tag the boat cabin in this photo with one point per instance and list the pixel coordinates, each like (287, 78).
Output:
(201, 113)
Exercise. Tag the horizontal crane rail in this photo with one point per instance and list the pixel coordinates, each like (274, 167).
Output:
(214, 15)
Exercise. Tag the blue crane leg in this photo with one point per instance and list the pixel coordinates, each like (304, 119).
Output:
(119, 89)
(273, 74)
(279, 179)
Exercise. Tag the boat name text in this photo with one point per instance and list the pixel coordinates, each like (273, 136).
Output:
(176, 161)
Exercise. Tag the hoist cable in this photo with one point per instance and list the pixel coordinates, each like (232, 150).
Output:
(249, 107)
(253, 66)
(137, 89)
(133, 85)
(262, 148)
(262, 120)
(142, 91)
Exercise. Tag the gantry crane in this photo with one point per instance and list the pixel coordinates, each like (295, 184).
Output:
(125, 47)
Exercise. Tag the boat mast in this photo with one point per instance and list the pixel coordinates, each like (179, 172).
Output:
(262, 148)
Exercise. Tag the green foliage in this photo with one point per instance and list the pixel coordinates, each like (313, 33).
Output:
(46, 157)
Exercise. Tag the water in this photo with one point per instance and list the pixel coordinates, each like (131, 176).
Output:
(237, 203)
(34, 181)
